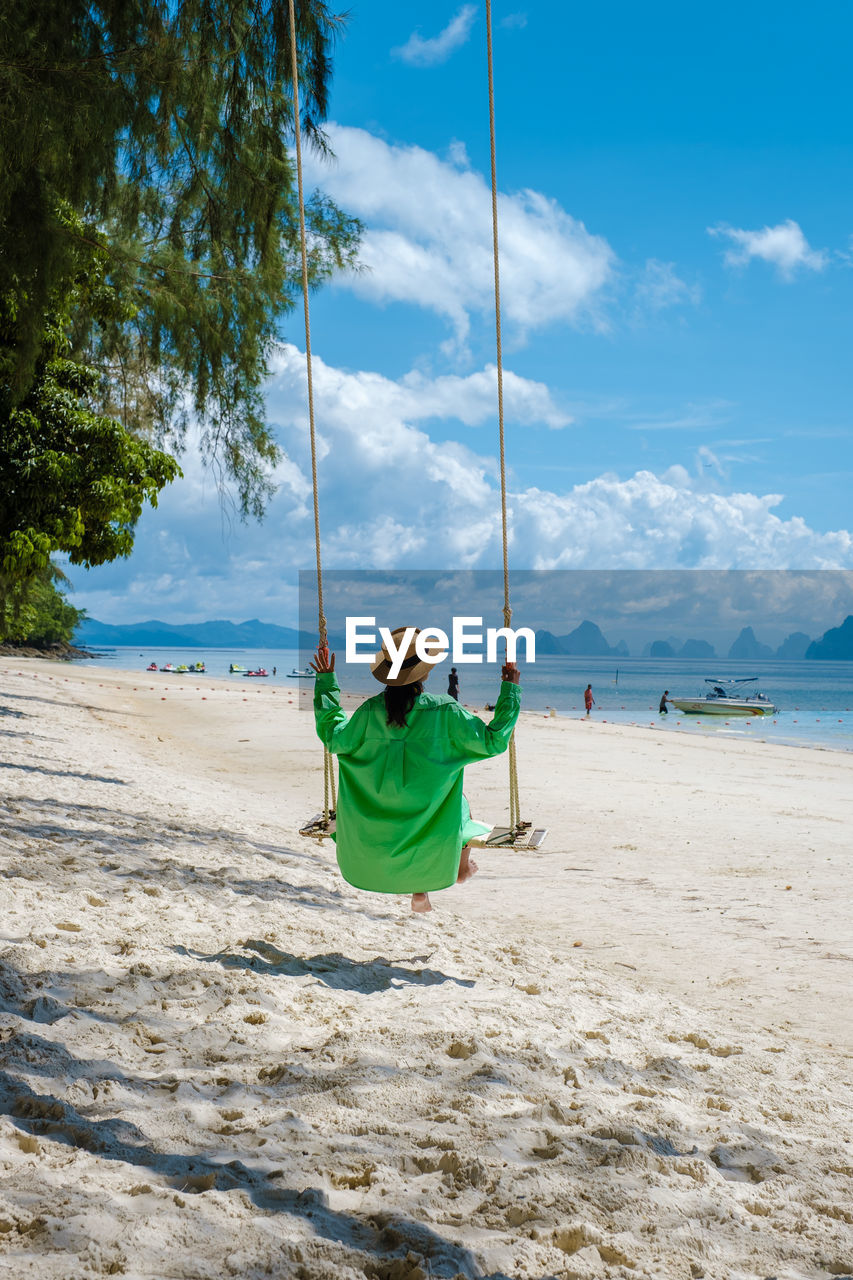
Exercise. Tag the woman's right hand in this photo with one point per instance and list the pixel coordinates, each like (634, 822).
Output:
(323, 661)
(511, 673)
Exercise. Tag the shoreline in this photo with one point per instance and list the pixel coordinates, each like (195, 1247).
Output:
(56, 653)
(819, 726)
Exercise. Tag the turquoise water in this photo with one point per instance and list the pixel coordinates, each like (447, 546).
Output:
(815, 699)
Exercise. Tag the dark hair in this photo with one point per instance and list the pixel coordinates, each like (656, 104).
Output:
(399, 700)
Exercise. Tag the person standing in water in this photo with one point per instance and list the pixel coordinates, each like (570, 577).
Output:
(453, 684)
(664, 700)
(588, 699)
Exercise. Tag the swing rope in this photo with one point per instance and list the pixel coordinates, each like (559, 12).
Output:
(328, 769)
(514, 806)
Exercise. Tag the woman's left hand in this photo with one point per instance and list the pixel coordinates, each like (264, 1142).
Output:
(323, 661)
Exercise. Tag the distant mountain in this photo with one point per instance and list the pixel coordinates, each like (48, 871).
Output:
(197, 635)
(746, 646)
(696, 649)
(653, 649)
(586, 641)
(794, 646)
(661, 649)
(835, 644)
(546, 642)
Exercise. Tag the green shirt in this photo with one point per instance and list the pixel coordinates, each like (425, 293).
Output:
(401, 811)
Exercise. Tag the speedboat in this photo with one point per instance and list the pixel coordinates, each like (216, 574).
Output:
(728, 698)
(182, 668)
(168, 667)
(305, 674)
(261, 671)
(152, 666)
(198, 667)
(236, 670)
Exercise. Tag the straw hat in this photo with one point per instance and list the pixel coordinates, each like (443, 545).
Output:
(412, 669)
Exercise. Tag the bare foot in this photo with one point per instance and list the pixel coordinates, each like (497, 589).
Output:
(421, 903)
(467, 866)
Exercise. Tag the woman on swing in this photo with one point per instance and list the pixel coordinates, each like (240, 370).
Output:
(403, 824)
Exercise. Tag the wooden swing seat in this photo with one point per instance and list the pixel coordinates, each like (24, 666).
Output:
(522, 836)
(320, 827)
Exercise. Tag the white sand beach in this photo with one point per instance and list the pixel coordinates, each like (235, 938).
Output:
(628, 1054)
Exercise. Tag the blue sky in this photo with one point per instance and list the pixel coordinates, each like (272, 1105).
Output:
(677, 274)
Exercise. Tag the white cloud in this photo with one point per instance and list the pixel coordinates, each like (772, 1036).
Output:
(659, 287)
(472, 398)
(647, 521)
(694, 417)
(429, 238)
(392, 494)
(419, 52)
(784, 246)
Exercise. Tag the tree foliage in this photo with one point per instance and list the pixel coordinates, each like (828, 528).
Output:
(72, 480)
(166, 128)
(41, 617)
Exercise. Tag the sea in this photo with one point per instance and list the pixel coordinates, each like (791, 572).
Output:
(814, 699)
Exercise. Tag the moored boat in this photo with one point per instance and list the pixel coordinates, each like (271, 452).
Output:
(305, 674)
(261, 671)
(727, 698)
